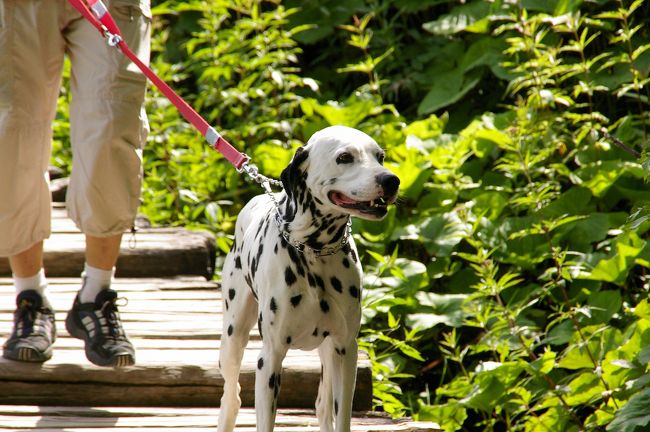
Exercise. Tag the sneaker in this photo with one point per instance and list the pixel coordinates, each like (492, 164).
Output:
(98, 324)
(34, 329)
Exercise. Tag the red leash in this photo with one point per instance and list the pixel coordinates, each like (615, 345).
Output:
(97, 14)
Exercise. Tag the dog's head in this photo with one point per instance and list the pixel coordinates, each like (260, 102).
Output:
(342, 169)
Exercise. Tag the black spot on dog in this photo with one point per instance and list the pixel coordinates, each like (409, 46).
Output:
(272, 383)
(312, 280)
(259, 229)
(325, 334)
(319, 282)
(336, 284)
(260, 363)
(289, 276)
(227, 305)
(341, 232)
(353, 254)
(315, 333)
(275, 249)
(288, 340)
(295, 300)
(231, 293)
(346, 262)
(298, 259)
(336, 407)
(274, 306)
(354, 291)
(230, 330)
(324, 306)
(238, 262)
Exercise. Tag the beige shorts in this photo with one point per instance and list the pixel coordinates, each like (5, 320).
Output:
(108, 123)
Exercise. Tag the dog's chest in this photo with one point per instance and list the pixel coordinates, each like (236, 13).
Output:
(304, 298)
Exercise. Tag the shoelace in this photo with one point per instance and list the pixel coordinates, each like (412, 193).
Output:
(31, 321)
(109, 321)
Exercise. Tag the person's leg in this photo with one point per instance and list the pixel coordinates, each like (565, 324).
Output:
(101, 257)
(28, 272)
(108, 129)
(31, 49)
(29, 262)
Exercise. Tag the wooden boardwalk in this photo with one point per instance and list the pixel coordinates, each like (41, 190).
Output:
(172, 314)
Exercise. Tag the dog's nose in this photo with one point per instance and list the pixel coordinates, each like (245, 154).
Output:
(389, 183)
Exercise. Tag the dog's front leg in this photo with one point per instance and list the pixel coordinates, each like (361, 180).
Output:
(344, 375)
(238, 322)
(325, 400)
(267, 384)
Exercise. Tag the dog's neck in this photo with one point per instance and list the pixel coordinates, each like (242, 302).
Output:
(304, 224)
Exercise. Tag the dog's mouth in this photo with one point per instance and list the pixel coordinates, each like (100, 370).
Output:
(375, 208)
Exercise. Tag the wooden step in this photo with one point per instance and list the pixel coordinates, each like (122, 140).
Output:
(152, 252)
(175, 326)
(84, 419)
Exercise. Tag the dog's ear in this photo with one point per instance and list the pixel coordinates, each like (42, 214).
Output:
(292, 174)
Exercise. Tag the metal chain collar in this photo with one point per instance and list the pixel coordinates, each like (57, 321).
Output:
(253, 172)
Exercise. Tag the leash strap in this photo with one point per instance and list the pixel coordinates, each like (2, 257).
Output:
(97, 14)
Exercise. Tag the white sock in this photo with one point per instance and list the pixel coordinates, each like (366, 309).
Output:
(38, 283)
(95, 281)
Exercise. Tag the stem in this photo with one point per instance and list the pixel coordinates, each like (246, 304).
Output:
(635, 72)
(574, 320)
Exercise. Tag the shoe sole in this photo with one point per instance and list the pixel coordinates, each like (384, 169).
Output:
(120, 360)
(30, 355)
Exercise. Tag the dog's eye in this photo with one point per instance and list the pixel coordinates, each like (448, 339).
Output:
(380, 157)
(344, 158)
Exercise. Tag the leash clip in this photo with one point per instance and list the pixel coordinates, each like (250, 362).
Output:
(254, 173)
(113, 40)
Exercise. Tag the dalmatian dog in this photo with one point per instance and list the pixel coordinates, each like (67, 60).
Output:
(294, 269)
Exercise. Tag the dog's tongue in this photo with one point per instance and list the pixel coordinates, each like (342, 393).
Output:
(342, 199)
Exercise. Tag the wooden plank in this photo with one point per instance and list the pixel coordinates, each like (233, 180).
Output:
(176, 333)
(157, 252)
(299, 390)
(138, 284)
(110, 419)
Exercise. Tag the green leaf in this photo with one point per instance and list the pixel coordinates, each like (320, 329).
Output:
(584, 389)
(642, 309)
(599, 341)
(490, 204)
(619, 262)
(603, 305)
(459, 19)
(634, 416)
(441, 233)
(447, 89)
(554, 419)
(437, 309)
(600, 176)
(450, 416)
(545, 363)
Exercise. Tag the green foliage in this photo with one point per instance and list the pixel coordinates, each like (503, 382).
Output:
(508, 289)
(238, 71)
